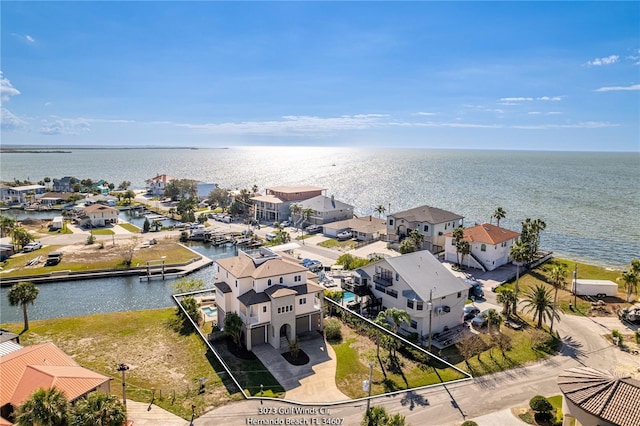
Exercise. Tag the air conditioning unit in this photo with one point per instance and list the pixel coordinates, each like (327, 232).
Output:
(439, 310)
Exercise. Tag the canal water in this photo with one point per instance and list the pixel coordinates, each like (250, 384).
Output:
(85, 297)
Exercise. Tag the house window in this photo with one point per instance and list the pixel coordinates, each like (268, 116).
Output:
(264, 309)
(281, 280)
(419, 306)
(290, 307)
(410, 303)
(392, 293)
(453, 241)
(279, 310)
(303, 301)
(269, 282)
(483, 247)
(426, 228)
(397, 276)
(459, 294)
(380, 287)
(414, 324)
(390, 222)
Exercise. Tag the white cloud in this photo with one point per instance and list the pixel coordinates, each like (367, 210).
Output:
(583, 125)
(518, 99)
(534, 112)
(6, 88)
(25, 37)
(618, 88)
(548, 98)
(65, 126)
(11, 122)
(293, 124)
(544, 113)
(426, 113)
(612, 59)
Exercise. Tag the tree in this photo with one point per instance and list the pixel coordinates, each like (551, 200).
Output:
(458, 235)
(6, 225)
(219, 197)
(499, 214)
(541, 405)
(45, 407)
(630, 280)
(503, 342)
(395, 317)
(129, 195)
(538, 300)
(557, 273)
(180, 189)
(380, 209)
(24, 293)
(233, 327)
(376, 416)
(296, 211)
(254, 189)
(98, 409)
(493, 318)
(407, 246)
(518, 253)
(508, 299)
(146, 226)
(306, 214)
(190, 309)
(417, 238)
(127, 250)
(530, 236)
(470, 346)
(124, 185)
(156, 224)
(20, 237)
(188, 285)
(465, 248)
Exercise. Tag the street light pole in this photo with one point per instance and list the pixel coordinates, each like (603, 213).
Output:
(122, 368)
(430, 314)
(369, 387)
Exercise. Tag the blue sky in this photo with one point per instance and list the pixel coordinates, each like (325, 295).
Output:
(485, 75)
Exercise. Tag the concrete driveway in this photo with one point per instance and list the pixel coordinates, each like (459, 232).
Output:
(313, 382)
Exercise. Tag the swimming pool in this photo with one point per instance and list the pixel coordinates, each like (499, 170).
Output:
(209, 311)
(348, 297)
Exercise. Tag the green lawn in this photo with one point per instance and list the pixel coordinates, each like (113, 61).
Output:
(335, 244)
(131, 228)
(160, 358)
(102, 232)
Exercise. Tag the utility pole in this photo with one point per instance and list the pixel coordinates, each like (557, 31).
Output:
(122, 368)
(368, 387)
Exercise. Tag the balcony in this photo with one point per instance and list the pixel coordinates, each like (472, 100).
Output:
(253, 319)
(383, 280)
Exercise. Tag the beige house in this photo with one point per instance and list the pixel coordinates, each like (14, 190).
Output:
(275, 204)
(366, 228)
(272, 296)
(599, 398)
(156, 185)
(99, 215)
(431, 222)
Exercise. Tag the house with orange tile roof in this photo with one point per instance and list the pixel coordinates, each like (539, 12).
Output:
(490, 246)
(157, 184)
(44, 366)
(271, 294)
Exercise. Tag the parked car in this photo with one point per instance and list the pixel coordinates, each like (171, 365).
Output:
(270, 236)
(475, 291)
(470, 311)
(344, 235)
(285, 223)
(480, 319)
(313, 229)
(306, 262)
(54, 258)
(315, 266)
(32, 246)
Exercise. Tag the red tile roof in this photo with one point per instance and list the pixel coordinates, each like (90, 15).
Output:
(44, 366)
(602, 394)
(488, 234)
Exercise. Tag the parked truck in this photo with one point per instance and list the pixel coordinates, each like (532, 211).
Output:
(597, 288)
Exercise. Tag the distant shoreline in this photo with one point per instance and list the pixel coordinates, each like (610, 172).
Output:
(69, 149)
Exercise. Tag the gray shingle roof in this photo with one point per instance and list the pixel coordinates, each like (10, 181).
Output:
(428, 214)
(323, 203)
(602, 394)
(253, 298)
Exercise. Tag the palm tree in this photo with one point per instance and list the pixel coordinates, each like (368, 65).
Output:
(630, 280)
(233, 327)
(254, 189)
(508, 299)
(20, 236)
(98, 409)
(157, 224)
(458, 235)
(306, 213)
(557, 273)
(380, 209)
(44, 408)
(493, 318)
(396, 316)
(295, 209)
(499, 214)
(417, 238)
(464, 247)
(519, 254)
(6, 225)
(23, 294)
(539, 301)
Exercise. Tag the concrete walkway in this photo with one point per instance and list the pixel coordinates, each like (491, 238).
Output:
(148, 414)
(313, 382)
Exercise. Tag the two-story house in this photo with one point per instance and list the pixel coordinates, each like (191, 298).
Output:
(99, 215)
(21, 194)
(156, 185)
(275, 204)
(431, 222)
(272, 296)
(490, 246)
(64, 184)
(419, 284)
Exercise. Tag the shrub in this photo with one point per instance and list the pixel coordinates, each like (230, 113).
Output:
(616, 333)
(91, 239)
(540, 404)
(469, 423)
(332, 329)
(638, 336)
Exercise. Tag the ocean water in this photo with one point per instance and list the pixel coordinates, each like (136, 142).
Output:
(589, 201)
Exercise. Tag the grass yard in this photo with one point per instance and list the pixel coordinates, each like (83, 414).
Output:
(159, 357)
(83, 257)
(337, 245)
(102, 232)
(129, 227)
(540, 275)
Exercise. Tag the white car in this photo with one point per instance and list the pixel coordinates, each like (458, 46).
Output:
(344, 235)
(285, 223)
(32, 246)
